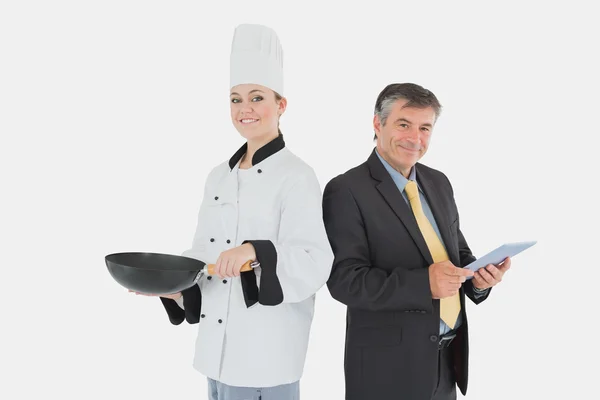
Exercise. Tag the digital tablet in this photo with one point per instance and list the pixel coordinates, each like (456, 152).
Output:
(498, 255)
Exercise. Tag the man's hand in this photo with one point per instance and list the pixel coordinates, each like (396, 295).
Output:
(491, 275)
(445, 279)
(173, 296)
(231, 261)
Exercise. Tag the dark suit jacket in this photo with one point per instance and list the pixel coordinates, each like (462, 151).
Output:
(381, 273)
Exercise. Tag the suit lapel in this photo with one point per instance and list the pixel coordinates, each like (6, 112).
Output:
(393, 197)
(439, 212)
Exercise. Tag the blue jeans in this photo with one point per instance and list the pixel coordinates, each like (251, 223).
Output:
(221, 391)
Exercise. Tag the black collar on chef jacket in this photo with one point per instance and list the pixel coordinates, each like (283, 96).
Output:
(261, 154)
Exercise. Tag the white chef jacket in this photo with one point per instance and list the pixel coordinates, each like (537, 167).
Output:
(278, 199)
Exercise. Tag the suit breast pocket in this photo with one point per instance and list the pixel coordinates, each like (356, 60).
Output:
(453, 229)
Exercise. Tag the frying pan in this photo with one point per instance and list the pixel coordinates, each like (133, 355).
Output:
(156, 273)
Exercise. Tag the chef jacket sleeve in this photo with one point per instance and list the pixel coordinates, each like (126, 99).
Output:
(298, 263)
(192, 302)
(354, 281)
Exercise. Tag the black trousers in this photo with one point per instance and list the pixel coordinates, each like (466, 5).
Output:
(446, 387)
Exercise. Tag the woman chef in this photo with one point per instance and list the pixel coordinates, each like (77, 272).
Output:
(263, 204)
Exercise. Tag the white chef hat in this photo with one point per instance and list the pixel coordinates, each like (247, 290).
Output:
(256, 57)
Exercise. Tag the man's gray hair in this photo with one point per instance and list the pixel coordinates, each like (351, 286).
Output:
(386, 107)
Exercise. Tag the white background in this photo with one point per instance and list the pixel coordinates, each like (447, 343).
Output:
(113, 112)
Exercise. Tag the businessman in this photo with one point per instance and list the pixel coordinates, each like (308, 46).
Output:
(399, 251)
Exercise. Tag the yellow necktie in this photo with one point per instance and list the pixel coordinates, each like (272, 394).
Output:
(449, 306)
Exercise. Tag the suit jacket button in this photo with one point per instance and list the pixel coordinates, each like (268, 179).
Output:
(433, 338)
(216, 197)
(212, 239)
(202, 315)
(260, 171)
(228, 241)
(209, 277)
(224, 280)
(220, 321)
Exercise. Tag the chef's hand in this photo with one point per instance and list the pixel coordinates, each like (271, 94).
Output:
(173, 296)
(231, 261)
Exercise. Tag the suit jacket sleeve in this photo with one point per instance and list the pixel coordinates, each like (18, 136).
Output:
(467, 257)
(353, 280)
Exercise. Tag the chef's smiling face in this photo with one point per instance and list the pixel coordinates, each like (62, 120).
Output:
(404, 138)
(255, 110)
